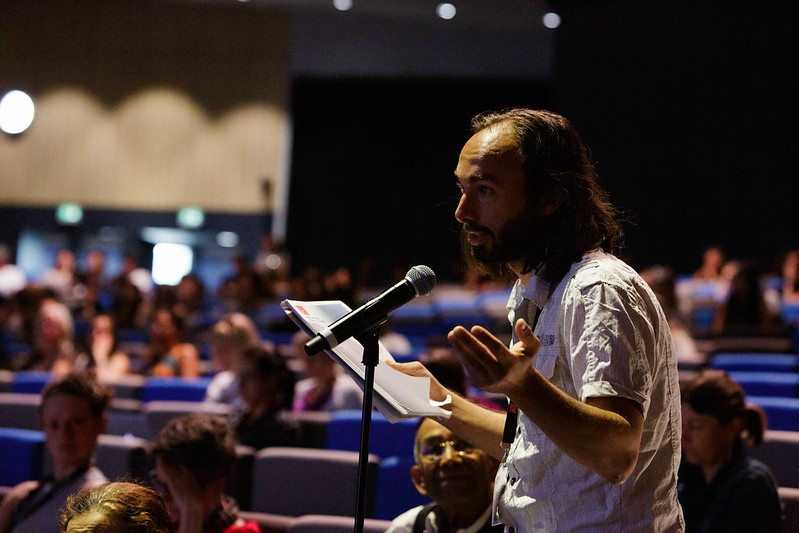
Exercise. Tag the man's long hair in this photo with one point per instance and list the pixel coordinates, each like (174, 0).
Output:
(555, 159)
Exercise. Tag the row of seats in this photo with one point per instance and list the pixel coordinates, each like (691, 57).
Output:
(770, 381)
(326, 437)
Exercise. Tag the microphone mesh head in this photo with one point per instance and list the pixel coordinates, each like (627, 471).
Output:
(422, 278)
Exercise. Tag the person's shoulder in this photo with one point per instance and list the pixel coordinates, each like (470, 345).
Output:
(404, 522)
(598, 267)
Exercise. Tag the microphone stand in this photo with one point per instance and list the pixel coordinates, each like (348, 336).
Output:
(371, 351)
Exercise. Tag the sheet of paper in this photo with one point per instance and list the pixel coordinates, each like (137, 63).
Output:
(397, 395)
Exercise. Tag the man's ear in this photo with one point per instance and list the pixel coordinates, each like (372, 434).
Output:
(418, 480)
(549, 202)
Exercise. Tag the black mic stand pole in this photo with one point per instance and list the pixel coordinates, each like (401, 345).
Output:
(371, 352)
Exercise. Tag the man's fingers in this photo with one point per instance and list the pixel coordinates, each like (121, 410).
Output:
(528, 339)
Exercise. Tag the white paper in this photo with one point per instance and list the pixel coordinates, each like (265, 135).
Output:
(397, 396)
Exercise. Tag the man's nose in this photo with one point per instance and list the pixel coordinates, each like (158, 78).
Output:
(463, 212)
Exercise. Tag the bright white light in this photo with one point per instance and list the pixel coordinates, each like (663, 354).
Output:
(16, 112)
(342, 5)
(227, 239)
(445, 11)
(551, 20)
(171, 262)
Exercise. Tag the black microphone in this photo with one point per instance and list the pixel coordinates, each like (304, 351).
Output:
(419, 281)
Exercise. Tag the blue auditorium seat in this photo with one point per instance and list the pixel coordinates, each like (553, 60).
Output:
(30, 382)
(396, 493)
(22, 452)
(757, 362)
(175, 389)
(385, 439)
(779, 384)
(782, 413)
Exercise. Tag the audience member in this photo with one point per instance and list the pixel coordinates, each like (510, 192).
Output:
(662, 281)
(167, 355)
(790, 277)
(745, 311)
(190, 304)
(12, 278)
(73, 416)
(117, 507)
(713, 259)
(230, 336)
(101, 353)
(194, 455)
(267, 390)
(53, 335)
(457, 476)
(325, 387)
(64, 281)
(720, 487)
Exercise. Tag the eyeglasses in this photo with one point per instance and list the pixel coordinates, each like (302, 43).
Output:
(434, 450)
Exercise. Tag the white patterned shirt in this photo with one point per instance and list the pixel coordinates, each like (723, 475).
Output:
(602, 333)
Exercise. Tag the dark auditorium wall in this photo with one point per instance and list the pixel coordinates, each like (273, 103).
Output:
(690, 110)
(692, 114)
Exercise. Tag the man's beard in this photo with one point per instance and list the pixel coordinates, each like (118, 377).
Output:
(515, 241)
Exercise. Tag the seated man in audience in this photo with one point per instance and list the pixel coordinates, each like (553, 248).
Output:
(73, 416)
(458, 477)
(194, 455)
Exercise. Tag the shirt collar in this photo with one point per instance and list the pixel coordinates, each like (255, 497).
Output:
(537, 291)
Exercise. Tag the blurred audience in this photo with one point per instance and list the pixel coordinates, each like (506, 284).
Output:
(194, 456)
(101, 352)
(73, 416)
(118, 507)
(745, 312)
(713, 260)
(267, 390)
(790, 277)
(12, 278)
(720, 487)
(230, 337)
(53, 347)
(167, 355)
(661, 280)
(326, 387)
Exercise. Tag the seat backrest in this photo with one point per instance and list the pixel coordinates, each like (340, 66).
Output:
(299, 481)
(19, 410)
(122, 457)
(335, 524)
(312, 426)
(790, 505)
(30, 382)
(782, 413)
(780, 452)
(239, 483)
(385, 439)
(22, 452)
(160, 412)
(396, 492)
(175, 389)
(269, 523)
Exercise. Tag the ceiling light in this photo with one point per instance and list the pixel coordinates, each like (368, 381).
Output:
(445, 11)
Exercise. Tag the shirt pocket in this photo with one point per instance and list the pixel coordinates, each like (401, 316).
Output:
(544, 361)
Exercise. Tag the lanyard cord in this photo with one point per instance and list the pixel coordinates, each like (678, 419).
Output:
(509, 432)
